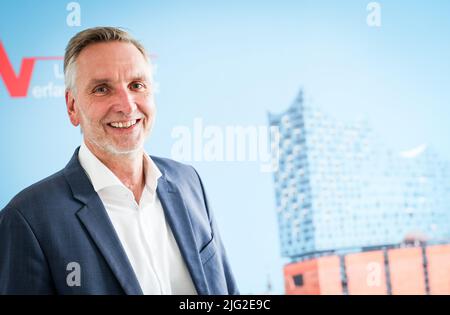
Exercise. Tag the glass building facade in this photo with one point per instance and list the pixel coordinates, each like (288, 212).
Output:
(339, 188)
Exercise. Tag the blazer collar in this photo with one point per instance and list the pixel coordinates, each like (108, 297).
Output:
(177, 215)
(94, 217)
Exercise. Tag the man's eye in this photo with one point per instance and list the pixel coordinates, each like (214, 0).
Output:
(137, 86)
(100, 90)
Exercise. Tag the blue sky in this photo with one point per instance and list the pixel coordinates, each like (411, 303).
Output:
(230, 63)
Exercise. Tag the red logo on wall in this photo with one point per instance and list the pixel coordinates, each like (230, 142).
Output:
(18, 84)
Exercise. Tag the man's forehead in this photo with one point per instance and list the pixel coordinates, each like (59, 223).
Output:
(113, 61)
(118, 73)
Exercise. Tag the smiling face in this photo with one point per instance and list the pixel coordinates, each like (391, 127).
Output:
(113, 102)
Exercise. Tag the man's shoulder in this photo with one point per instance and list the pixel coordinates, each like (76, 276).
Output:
(40, 194)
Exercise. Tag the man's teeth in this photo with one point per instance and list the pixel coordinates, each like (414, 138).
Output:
(125, 124)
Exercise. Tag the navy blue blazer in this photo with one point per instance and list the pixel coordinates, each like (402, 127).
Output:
(61, 220)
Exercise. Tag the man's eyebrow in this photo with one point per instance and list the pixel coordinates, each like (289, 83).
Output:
(140, 77)
(98, 81)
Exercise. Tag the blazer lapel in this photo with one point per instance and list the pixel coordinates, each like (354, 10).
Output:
(179, 221)
(94, 217)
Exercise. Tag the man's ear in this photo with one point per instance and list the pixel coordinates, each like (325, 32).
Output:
(72, 109)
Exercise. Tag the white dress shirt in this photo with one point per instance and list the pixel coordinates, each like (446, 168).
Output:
(142, 228)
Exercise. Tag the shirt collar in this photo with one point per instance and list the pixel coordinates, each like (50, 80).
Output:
(102, 177)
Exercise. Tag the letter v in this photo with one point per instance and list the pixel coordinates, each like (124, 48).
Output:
(17, 85)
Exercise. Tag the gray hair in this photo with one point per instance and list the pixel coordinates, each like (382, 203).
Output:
(88, 37)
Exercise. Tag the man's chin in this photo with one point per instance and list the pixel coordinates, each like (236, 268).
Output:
(124, 150)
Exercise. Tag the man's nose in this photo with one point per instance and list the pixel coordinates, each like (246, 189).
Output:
(125, 102)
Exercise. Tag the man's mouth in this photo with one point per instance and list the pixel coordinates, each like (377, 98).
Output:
(123, 124)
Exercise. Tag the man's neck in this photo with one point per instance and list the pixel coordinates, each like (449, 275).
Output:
(129, 168)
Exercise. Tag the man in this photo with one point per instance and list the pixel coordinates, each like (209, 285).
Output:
(114, 220)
